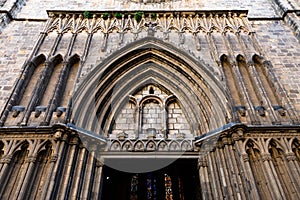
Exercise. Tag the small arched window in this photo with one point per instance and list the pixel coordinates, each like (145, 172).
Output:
(151, 91)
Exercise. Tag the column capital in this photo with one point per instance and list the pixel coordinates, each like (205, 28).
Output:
(290, 156)
(202, 161)
(54, 158)
(266, 157)
(245, 157)
(30, 159)
(6, 159)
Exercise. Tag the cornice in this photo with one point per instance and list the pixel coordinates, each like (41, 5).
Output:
(164, 20)
(249, 131)
(228, 128)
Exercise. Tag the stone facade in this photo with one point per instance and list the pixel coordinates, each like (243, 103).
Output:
(85, 84)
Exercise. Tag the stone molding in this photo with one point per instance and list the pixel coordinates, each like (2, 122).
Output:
(192, 22)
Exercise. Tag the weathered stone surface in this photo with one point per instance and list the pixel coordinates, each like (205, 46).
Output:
(220, 84)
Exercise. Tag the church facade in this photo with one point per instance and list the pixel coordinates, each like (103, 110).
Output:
(129, 99)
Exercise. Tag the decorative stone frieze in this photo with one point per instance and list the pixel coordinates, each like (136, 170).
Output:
(181, 22)
(150, 145)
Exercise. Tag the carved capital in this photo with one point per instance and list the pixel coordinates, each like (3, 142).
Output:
(245, 157)
(54, 158)
(30, 159)
(74, 141)
(6, 159)
(235, 137)
(266, 157)
(291, 156)
(225, 141)
(202, 162)
(58, 134)
(99, 163)
(64, 137)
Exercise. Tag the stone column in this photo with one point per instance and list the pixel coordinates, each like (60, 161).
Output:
(137, 122)
(239, 171)
(4, 163)
(245, 94)
(79, 174)
(204, 179)
(292, 175)
(233, 172)
(294, 167)
(38, 91)
(164, 119)
(58, 93)
(26, 175)
(51, 188)
(46, 185)
(223, 173)
(275, 189)
(262, 92)
(68, 168)
(213, 173)
(89, 175)
(243, 160)
(97, 185)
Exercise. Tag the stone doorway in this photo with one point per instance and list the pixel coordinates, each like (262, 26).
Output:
(178, 181)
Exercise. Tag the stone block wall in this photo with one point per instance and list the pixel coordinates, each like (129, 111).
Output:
(258, 8)
(282, 49)
(17, 41)
(276, 36)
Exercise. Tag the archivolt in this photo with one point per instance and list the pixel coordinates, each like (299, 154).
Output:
(150, 61)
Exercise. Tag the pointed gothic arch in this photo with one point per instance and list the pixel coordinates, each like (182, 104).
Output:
(108, 86)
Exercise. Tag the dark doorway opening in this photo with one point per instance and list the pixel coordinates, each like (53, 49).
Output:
(179, 180)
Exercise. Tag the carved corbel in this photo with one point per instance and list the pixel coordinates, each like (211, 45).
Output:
(261, 110)
(280, 110)
(241, 110)
(60, 111)
(151, 133)
(58, 134)
(16, 110)
(39, 110)
(121, 136)
(151, 28)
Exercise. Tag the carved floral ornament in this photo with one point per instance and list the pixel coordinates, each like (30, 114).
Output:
(121, 22)
(152, 1)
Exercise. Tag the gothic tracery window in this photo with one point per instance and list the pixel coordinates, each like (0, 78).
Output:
(151, 111)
